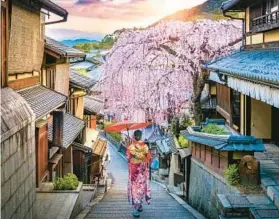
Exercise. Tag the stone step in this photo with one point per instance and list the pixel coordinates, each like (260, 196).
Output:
(223, 217)
(260, 213)
(241, 205)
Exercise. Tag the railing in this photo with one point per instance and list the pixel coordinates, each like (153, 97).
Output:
(265, 22)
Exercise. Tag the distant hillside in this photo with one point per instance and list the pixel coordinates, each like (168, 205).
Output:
(77, 41)
(208, 10)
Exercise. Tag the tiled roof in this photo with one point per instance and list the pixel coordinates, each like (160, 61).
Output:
(173, 146)
(151, 134)
(223, 143)
(93, 105)
(261, 65)
(164, 146)
(15, 112)
(62, 49)
(229, 4)
(100, 147)
(72, 126)
(42, 100)
(81, 81)
(81, 147)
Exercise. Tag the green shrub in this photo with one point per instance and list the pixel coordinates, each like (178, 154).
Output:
(183, 142)
(116, 136)
(68, 182)
(101, 126)
(213, 129)
(232, 175)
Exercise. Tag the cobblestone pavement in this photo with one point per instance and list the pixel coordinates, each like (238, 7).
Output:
(115, 204)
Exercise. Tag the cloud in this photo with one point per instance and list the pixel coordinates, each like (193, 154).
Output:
(111, 9)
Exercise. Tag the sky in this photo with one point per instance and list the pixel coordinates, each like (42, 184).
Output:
(95, 18)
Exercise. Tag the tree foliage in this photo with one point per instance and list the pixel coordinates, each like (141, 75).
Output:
(106, 43)
(153, 73)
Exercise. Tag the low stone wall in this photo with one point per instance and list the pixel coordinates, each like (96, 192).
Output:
(65, 204)
(204, 187)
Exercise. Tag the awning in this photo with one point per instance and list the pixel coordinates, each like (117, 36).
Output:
(100, 147)
(42, 100)
(72, 127)
(55, 159)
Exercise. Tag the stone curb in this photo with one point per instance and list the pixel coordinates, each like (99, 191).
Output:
(189, 208)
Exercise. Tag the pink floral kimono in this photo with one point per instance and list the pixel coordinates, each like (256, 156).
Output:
(138, 184)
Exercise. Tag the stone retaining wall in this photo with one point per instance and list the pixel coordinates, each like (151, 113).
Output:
(204, 187)
(17, 157)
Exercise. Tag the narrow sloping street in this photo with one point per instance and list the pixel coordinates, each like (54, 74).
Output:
(115, 204)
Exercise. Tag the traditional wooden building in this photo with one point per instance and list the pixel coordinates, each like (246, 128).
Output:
(164, 149)
(43, 102)
(79, 88)
(86, 157)
(24, 104)
(99, 158)
(93, 111)
(56, 65)
(248, 80)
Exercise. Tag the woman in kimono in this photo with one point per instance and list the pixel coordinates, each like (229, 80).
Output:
(138, 162)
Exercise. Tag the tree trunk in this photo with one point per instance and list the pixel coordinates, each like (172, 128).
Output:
(198, 86)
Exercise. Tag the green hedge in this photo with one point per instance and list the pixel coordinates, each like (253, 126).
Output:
(213, 129)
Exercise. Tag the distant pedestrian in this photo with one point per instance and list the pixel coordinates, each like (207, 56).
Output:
(138, 156)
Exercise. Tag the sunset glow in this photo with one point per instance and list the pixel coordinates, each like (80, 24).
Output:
(106, 16)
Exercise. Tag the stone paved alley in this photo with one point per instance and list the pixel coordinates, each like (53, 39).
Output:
(115, 204)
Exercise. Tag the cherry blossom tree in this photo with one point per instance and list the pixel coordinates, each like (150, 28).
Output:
(152, 73)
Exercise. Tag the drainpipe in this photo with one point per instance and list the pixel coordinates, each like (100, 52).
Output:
(243, 24)
(57, 128)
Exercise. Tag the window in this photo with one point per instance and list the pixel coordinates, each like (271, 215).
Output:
(50, 77)
(236, 109)
(4, 42)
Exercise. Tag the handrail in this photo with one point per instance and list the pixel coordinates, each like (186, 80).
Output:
(266, 15)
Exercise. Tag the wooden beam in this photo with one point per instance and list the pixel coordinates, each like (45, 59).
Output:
(24, 83)
(52, 53)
